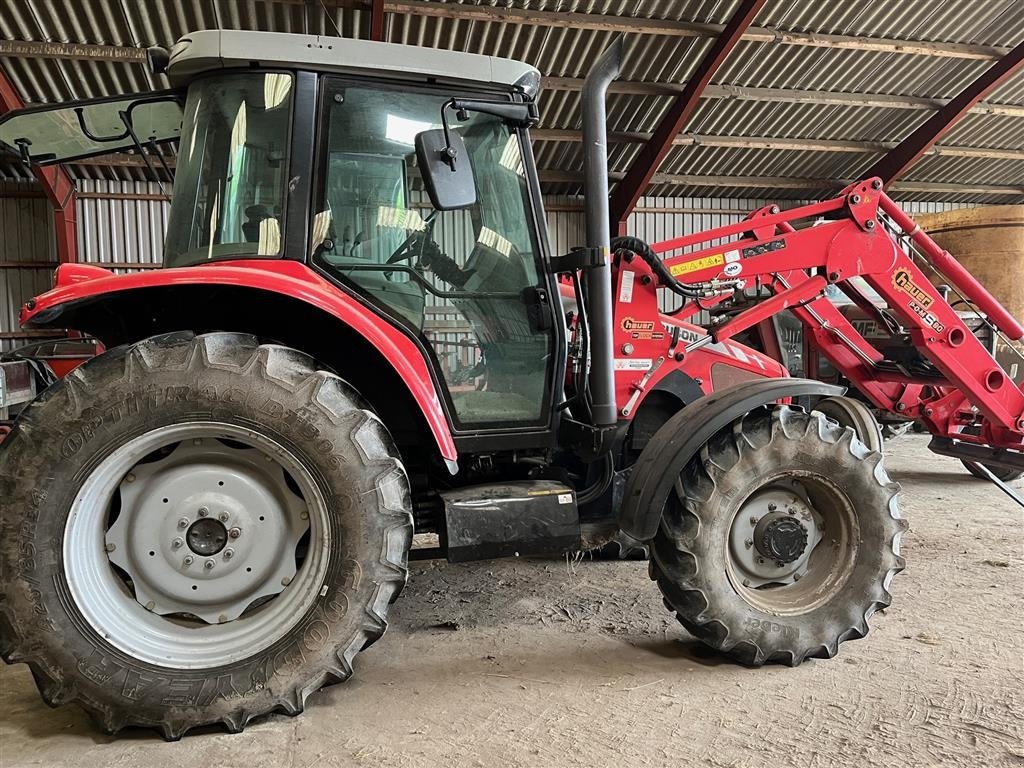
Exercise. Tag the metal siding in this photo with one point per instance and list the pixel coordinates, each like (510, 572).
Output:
(121, 231)
(26, 235)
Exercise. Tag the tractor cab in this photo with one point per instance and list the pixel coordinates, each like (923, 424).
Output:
(316, 154)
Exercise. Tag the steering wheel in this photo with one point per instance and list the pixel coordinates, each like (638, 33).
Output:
(419, 243)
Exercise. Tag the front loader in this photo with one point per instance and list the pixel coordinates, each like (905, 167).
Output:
(915, 355)
(359, 332)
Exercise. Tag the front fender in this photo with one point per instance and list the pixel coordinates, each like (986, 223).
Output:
(81, 290)
(682, 436)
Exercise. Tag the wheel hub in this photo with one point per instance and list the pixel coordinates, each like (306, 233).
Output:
(206, 536)
(780, 537)
(207, 530)
(773, 536)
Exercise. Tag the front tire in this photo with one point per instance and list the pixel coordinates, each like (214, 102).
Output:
(197, 530)
(780, 540)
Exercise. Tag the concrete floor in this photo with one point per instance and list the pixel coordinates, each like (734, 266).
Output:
(542, 663)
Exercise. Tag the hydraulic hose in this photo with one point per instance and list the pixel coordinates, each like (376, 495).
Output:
(643, 250)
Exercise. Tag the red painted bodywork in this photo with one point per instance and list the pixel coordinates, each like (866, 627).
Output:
(796, 264)
(715, 364)
(649, 333)
(290, 278)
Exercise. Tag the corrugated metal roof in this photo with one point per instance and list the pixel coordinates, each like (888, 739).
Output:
(567, 50)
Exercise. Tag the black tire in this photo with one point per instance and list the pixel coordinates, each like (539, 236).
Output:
(690, 558)
(1006, 474)
(171, 379)
(854, 414)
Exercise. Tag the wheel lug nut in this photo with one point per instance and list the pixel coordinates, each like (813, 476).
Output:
(203, 511)
(177, 543)
(772, 507)
(753, 519)
(223, 516)
(187, 561)
(209, 564)
(229, 553)
(183, 523)
(748, 543)
(234, 533)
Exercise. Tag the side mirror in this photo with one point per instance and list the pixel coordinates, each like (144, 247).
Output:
(446, 170)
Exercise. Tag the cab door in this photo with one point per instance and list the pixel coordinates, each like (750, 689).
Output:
(468, 284)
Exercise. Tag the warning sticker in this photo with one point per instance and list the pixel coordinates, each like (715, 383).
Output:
(565, 498)
(697, 265)
(633, 364)
(626, 287)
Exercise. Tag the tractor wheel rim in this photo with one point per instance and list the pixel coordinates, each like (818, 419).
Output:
(792, 544)
(196, 545)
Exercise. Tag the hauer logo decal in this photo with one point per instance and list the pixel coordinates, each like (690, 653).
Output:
(641, 329)
(731, 270)
(904, 282)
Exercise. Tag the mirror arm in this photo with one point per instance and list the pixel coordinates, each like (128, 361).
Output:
(448, 153)
(130, 131)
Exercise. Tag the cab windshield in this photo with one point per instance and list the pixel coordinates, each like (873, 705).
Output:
(231, 179)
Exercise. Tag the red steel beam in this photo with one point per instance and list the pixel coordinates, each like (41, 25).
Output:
(628, 191)
(56, 182)
(377, 20)
(901, 157)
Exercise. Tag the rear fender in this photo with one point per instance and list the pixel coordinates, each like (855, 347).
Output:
(683, 435)
(263, 297)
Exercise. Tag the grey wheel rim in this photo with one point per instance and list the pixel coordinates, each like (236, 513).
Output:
(196, 545)
(817, 519)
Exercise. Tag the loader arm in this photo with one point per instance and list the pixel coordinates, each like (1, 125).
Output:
(796, 254)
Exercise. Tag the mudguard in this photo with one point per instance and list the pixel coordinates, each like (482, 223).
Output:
(80, 284)
(682, 436)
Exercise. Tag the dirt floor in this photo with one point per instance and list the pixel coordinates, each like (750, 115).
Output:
(547, 663)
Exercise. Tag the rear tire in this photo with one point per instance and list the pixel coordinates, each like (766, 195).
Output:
(849, 499)
(297, 440)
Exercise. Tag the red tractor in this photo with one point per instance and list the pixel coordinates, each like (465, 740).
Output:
(360, 333)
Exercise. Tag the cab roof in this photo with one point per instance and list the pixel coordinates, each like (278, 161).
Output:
(207, 50)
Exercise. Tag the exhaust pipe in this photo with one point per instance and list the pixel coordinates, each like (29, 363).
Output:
(599, 279)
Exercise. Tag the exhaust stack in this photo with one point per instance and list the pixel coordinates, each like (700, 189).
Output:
(599, 279)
